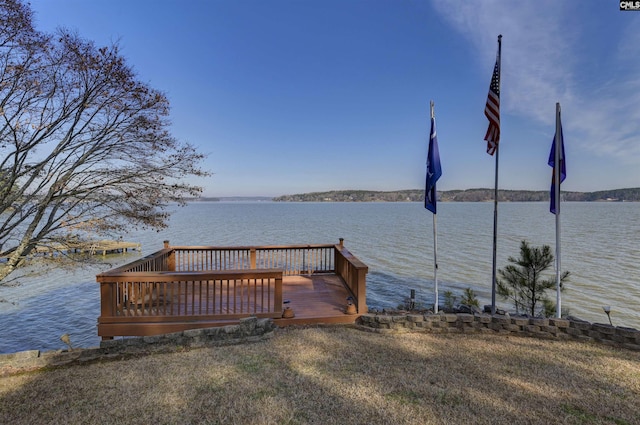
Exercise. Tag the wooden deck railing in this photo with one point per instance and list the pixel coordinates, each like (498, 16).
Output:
(291, 259)
(144, 303)
(185, 284)
(354, 274)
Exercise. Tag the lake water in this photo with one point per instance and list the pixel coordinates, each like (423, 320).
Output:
(600, 247)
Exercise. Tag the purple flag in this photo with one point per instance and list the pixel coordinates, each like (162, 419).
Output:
(563, 168)
(434, 170)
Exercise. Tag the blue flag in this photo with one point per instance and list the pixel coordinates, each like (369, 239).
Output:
(434, 171)
(563, 169)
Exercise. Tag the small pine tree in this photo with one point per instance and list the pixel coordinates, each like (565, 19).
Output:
(522, 281)
(469, 298)
(449, 300)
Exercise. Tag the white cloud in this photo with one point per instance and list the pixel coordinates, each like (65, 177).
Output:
(543, 52)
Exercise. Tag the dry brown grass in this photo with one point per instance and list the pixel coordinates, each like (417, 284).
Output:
(342, 376)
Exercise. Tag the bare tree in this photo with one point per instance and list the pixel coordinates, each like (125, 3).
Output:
(85, 148)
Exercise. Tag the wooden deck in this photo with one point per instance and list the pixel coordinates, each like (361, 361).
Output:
(316, 299)
(180, 288)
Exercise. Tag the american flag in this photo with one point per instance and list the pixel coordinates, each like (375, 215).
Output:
(492, 110)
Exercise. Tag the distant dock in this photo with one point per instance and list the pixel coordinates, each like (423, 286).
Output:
(102, 247)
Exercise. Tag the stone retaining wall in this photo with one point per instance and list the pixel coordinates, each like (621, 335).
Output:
(484, 323)
(250, 329)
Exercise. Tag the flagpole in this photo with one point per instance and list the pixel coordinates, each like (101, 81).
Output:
(435, 244)
(495, 207)
(556, 175)
(495, 236)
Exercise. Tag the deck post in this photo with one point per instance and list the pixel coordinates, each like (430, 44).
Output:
(341, 243)
(107, 303)
(362, 291)
(252, 257)
(171, 258)
(278, 294)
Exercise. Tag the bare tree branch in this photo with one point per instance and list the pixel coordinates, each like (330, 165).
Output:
(86, 148)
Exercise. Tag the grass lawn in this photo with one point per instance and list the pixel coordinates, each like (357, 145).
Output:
(340, 375)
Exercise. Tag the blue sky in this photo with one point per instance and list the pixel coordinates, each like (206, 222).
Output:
(299, 96)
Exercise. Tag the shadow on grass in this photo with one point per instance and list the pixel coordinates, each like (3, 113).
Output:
(342, 375)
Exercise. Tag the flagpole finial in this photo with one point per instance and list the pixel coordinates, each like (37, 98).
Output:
(431, 109)
(499, 37)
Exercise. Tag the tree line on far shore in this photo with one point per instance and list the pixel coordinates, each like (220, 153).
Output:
(468, 195)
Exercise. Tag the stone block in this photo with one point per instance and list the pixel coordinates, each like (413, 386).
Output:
(501, 320)
(193, 333)
(575, 332)
(604, 328)
(213, 332)
(265, 323)
(596, 335)
(110, 343)
(367, 319)
(580, 325)
(532, 328)
(364, 328)
(154, 339)
(483, 318)
(399, 318)
(478, 325)
(19, 356)
(619, 339)
(231, 329)
(415, 318)
(174, 336)
(197, 343)
(89, 355)
(627, 332)
(520, 321)
(383, 319)
(425, 325)
(495, 326)
(449, 318)
(248, 324)
(133, 342)
(465, 318)
(539, 321)
(559, 323)
(512, 328)
(583, 338)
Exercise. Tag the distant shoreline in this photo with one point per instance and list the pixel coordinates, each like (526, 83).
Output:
(468, 195)
(417, 195)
